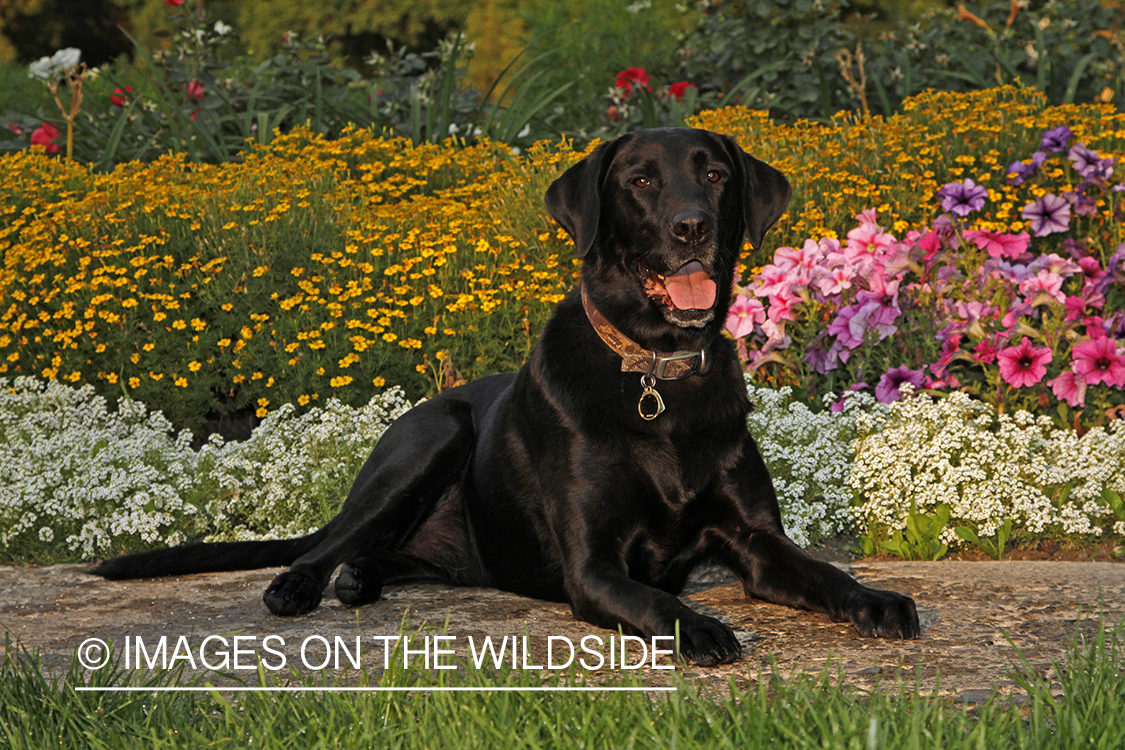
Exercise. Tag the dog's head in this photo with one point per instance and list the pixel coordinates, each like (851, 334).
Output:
(659, 217)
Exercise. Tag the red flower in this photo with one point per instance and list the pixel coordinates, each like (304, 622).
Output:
(195, 91)
(678, 89)
(15, 128)
(44, 135)
(120, 98)
(630, 76)
(177, 3)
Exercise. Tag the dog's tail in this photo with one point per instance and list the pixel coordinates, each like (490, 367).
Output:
(209, 558)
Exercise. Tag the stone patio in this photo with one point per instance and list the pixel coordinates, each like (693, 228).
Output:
(969, 611)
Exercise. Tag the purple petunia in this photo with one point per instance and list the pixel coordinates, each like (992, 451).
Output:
(1048, 214)
(962, 198)
(887, 390)
(1056, 139)
(1090, 164)
(1024, 171)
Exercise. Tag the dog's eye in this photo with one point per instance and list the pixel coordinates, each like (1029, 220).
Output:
(714, 176)
(642, 182)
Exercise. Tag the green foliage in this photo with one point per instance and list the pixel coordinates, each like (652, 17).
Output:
(921, 540)
(590, 41)
(796, 39)
(1069, 49)
(993, 547)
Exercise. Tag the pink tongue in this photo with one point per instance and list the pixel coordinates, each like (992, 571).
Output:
(691, 288)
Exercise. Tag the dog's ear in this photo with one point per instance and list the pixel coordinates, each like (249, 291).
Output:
(765, 191)
(575, 198)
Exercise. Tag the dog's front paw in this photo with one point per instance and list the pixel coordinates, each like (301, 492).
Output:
(292, 593)
(885, 614)
(707, 642)
(358, 585)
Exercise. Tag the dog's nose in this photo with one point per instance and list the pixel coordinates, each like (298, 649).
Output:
(691, 226)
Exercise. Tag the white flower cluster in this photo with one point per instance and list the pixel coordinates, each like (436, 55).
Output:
(79, 476)
(294, 471)
(987, 467)
(72, 470)
(809, 456)
(102, 480)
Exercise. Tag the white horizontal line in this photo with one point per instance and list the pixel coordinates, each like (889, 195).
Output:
(244, 689)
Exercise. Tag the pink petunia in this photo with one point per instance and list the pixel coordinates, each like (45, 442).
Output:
(1024, 365)
(1070, 388)
(1045, 282)
(771, 281)
(1098, 361)
(744, 313)
(1000, 245)
(836, 281)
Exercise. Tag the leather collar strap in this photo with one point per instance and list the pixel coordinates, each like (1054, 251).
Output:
(635, 358)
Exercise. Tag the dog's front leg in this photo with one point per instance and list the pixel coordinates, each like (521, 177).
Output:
(600, 592)
(775, 569)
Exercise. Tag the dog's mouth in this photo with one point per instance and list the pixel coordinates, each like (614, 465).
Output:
(689, 290)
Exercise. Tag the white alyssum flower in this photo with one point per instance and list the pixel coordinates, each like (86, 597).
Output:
(809, 456)
(294, 471)
(91, 479)
(987, 467)
(101, 480)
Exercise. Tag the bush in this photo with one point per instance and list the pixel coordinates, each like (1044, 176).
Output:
(803, 59)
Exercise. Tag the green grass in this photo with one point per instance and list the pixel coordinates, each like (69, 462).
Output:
(805, 712)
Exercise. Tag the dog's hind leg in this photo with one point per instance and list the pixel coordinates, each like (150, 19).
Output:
(361, 579)
(412, 466)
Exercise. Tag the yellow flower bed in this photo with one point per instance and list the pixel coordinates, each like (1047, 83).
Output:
(898, 164)
(318, 268)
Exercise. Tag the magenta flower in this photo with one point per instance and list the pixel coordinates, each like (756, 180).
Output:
(1098, 361)
(1024, 365)
(888, 388)
(962, 198)
(1000, 245)
(1070, 388)
(985, 352)
(1048, 214)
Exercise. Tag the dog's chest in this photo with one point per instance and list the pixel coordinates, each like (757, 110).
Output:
(675, 475)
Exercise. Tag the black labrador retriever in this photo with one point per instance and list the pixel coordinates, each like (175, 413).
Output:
(615, 460)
